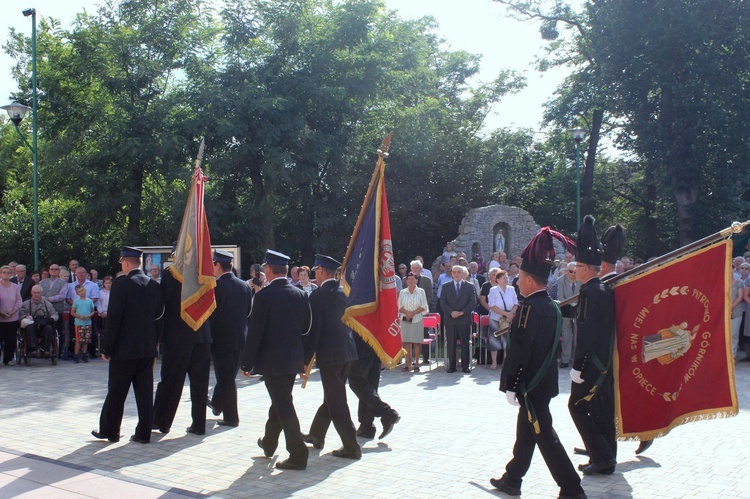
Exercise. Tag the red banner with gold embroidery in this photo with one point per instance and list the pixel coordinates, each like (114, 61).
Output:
(673, 361)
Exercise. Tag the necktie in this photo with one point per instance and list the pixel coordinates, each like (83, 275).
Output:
(574, 287)
(458, 287)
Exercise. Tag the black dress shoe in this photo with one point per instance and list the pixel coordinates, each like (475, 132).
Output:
(605, 468)
(581, 451)
(316, 442)
(503, 486)
(451, 370)
(135, 438)
(363, 432)
(348, 453)
(466, 370)
(287, 464)
(195, 431)
(266, 452)
(223, 422)
(581, 495)
(643, 446)
(388, 421)
(98, 434)
(564, 365)
(214, 410)
(161, 430)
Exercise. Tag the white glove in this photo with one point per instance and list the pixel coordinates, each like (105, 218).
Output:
(511, 396)
(576, 376)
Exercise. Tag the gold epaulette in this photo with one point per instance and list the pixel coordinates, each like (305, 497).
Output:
(523, 316)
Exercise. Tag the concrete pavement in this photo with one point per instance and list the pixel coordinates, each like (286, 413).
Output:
(456, 432)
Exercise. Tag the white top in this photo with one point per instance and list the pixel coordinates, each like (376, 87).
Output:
(412, 301)
(496, 297)
(103, 304)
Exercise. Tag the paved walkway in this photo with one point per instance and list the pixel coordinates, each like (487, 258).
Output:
(455, 433)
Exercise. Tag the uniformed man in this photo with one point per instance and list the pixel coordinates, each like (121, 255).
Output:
(186, 352)
(333, 345)
(529, 373)
(592, 361)
(129, 344)
(275, 349)
(228, 330)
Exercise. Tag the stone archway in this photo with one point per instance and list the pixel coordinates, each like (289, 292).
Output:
(479, 232)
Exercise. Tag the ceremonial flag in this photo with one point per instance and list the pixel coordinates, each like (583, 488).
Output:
(369, 273)
(673, 357)
(193, 265)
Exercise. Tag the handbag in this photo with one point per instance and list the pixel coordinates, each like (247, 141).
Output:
(503, 322)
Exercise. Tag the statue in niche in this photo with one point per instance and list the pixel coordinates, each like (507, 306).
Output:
(499, 240)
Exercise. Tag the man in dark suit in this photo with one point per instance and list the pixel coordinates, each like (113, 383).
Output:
(458, 299)
(592, 360)
(228, 329)
(529, 375)
(129, 344)
(25, 283)
(186, 352)
(332, 343)
(275, 348)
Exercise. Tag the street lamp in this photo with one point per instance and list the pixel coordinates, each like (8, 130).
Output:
(16, 112)
(578, 134)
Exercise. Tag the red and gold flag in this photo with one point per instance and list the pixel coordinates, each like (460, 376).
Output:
(369, 273)
(193, 264)
(673, 358)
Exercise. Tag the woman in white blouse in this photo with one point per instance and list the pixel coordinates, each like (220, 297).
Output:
(503, 303)
(304, 280)
(412, 303)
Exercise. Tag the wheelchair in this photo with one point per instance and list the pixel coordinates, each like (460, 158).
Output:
(43, 349)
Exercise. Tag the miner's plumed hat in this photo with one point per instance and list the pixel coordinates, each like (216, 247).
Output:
(613, 242)
(539, 254)
(326, 262)
(276, 258)
(588, 248)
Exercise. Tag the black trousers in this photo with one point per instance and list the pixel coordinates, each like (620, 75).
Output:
(8, 333)
(30, 334)
(334, 408)
(226, 366)
(283, 417)
(123, 373)
(549, 444)
(588, 423)
(364, 379)
(603, 410)
(180, 360)
(458, 331)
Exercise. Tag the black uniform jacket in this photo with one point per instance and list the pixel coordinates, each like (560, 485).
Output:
(330, 339)
(532, 336)
(175, 329)
(229, 320)
(279, 320)
(595, 328)
(133, 318)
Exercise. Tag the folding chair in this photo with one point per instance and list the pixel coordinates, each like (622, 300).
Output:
(431, 321)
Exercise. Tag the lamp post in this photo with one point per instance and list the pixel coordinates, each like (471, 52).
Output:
(578, 134)
(17, 112)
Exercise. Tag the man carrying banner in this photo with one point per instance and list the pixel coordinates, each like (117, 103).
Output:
(529, 373)
(228, 329)
(186, 353)
(279, 319)
(592, 364)
(333, 346)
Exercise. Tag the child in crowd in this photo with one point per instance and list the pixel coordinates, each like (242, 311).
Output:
(82, 310)
(103, 303)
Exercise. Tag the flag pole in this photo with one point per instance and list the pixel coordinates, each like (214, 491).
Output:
(735, 228)
(382, 152)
